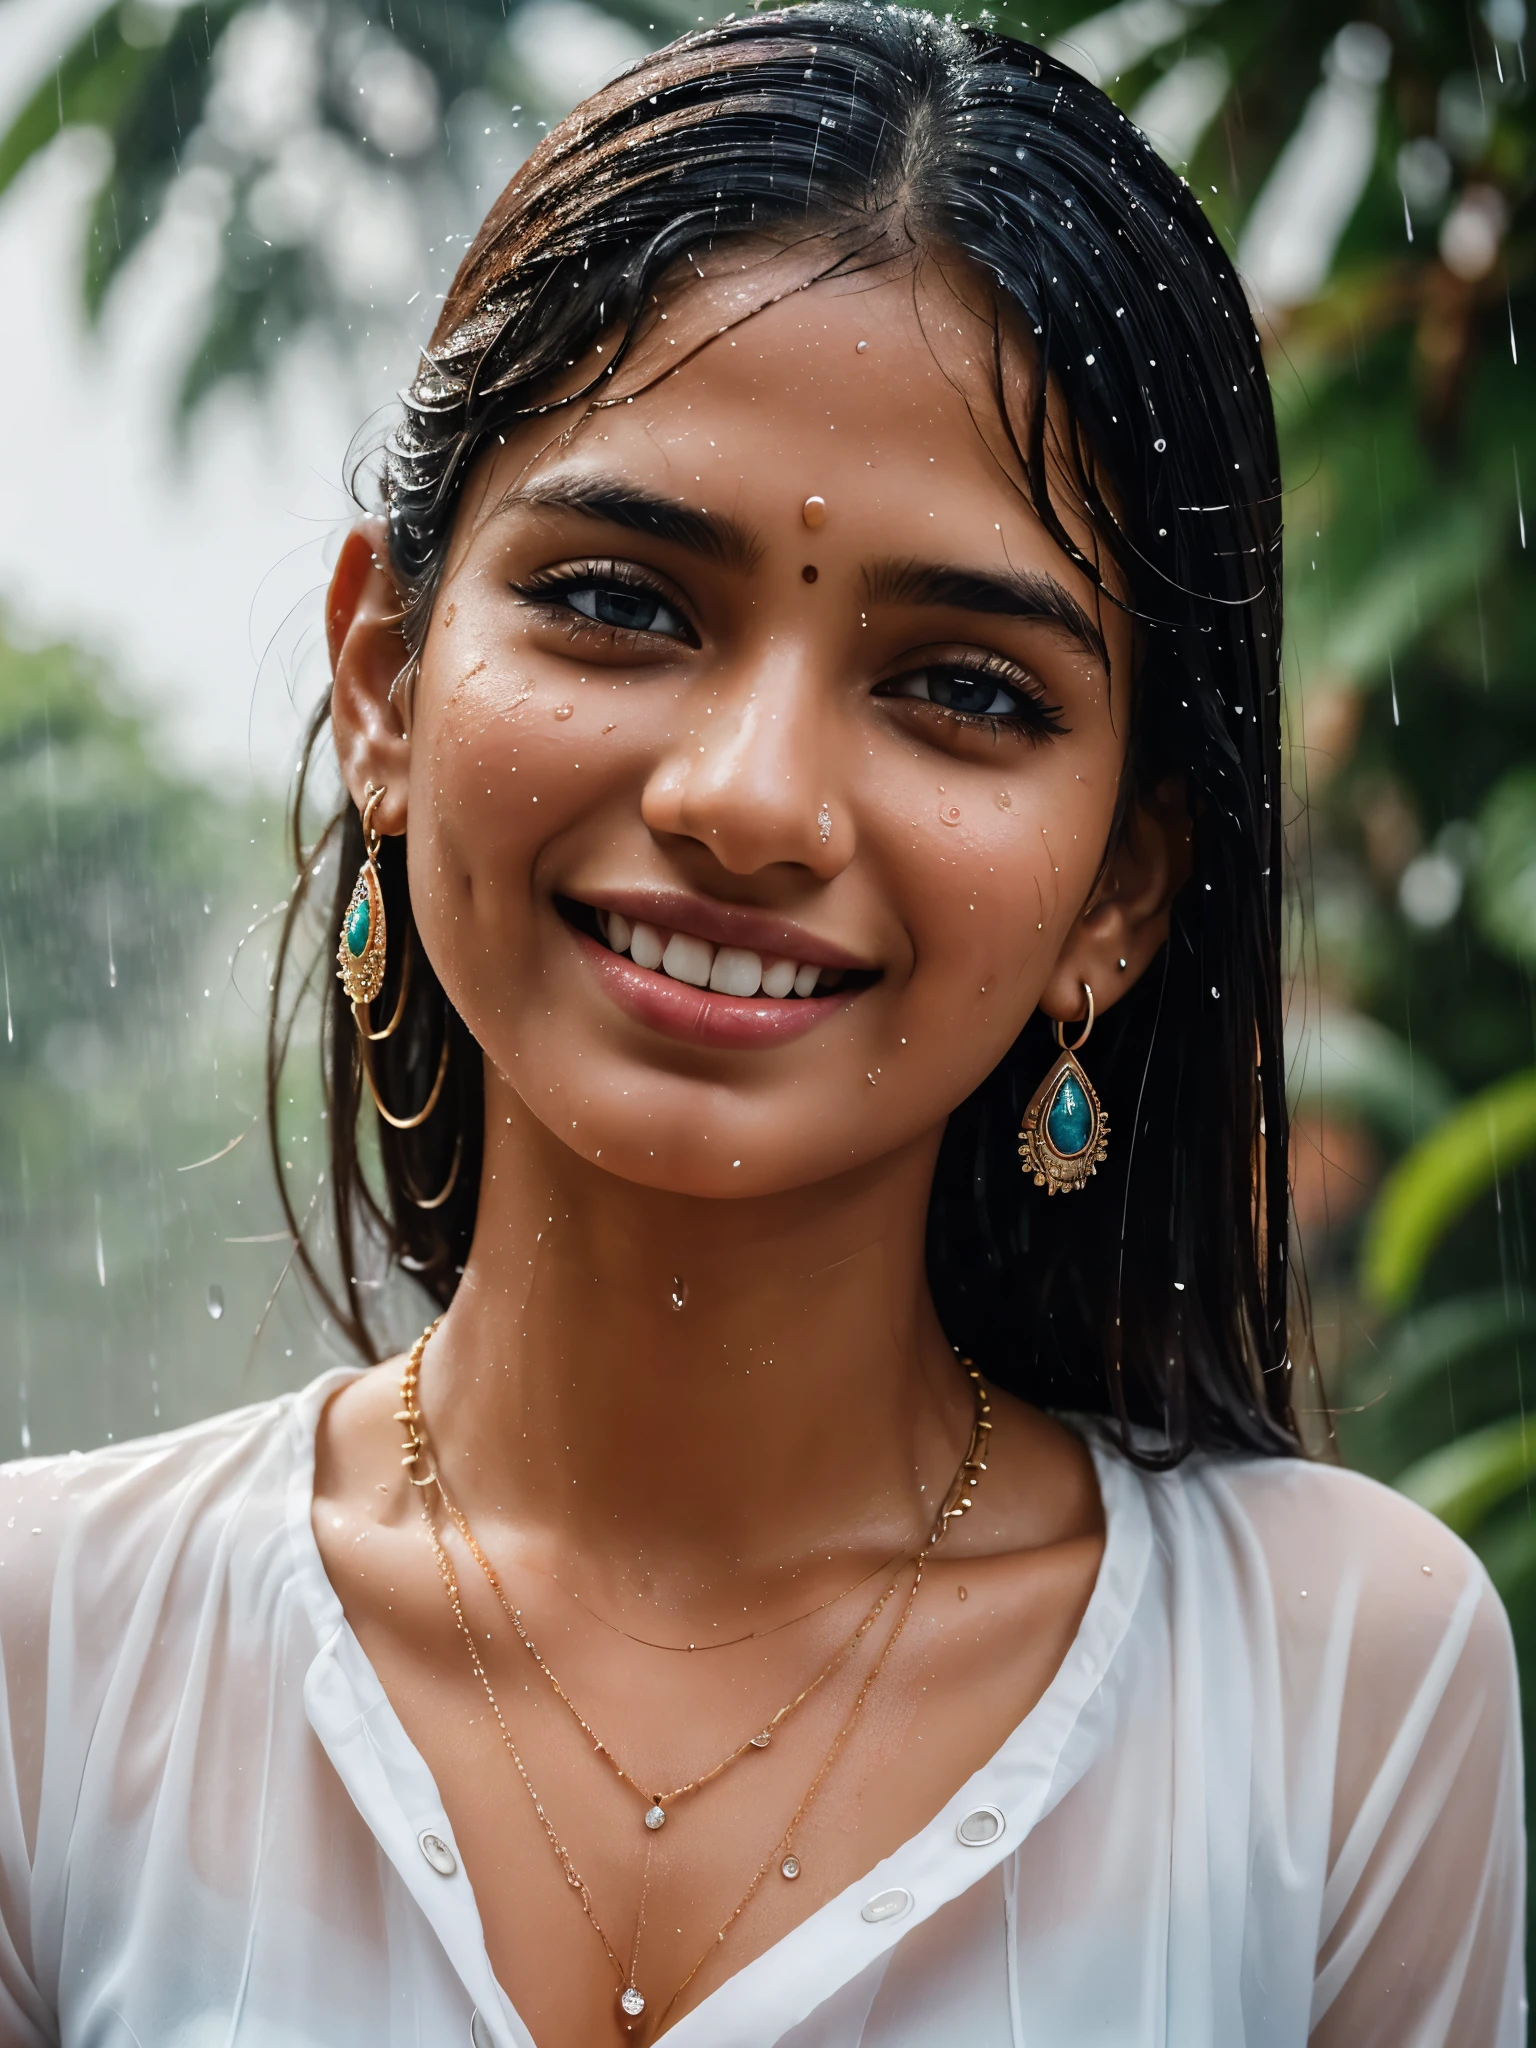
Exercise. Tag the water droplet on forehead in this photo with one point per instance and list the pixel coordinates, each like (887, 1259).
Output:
(215, 1302)
(564, 710)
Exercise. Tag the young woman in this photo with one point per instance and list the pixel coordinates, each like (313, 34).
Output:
(842, 1568)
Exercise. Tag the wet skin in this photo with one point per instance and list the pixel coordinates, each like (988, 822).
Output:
(692, 1381)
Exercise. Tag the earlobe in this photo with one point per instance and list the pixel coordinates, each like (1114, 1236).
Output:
(1125, 922)
(368, 657)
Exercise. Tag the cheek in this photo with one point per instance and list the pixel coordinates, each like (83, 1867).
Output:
(992, 870)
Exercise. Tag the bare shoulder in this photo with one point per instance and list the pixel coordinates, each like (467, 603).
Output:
(357, 1433)
(1040, 1486)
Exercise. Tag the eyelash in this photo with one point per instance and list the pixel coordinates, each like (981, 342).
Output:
(1035, 720)
(551, 584)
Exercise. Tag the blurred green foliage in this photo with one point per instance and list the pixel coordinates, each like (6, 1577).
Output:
(131, 1050)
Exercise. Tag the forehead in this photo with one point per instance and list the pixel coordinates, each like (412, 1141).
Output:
(752, 390)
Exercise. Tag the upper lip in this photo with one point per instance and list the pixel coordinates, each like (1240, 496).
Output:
(725, 924)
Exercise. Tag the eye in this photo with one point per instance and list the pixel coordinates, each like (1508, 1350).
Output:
(979, 690)
(633, 611)
(614, 595)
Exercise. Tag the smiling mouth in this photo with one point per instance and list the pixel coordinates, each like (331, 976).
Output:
(721, 970)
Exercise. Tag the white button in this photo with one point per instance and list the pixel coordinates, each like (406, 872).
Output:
(980, 1828)
(479, 2033)
(437, 1853)
(888, 1905)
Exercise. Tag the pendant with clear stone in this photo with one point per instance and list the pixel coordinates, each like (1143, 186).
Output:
(790, 1867)
(762, 1741)
(632, 2002)
(655, 1817)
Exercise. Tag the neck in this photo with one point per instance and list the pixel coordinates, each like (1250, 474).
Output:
(669, 1396)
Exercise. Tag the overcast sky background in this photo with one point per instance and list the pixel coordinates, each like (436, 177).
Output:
(196, 572)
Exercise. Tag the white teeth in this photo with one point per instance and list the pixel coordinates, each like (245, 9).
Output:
(728, 970)
(689, 960)
(736, 972)
(646, 946)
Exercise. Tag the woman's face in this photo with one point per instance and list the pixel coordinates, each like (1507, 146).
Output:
(764, 749)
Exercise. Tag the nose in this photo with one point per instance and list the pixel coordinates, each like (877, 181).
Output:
(753, 776)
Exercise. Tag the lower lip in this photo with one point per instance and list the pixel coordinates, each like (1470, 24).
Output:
(700, 1016)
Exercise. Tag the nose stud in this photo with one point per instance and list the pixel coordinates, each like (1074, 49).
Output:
(824, 824)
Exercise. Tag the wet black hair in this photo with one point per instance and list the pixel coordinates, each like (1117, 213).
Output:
(1160, 1295)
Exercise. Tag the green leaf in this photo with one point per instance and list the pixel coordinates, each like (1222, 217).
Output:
(1343, 1061)
(1437, 1338)
(1466, 1481)
(1504, 890)
(1439, 1179)
(1406, 589)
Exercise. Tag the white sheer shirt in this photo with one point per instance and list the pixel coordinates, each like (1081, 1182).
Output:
(1273, 1793)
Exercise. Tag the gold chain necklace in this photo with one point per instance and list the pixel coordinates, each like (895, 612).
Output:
(894, 1562)
(957, 1501)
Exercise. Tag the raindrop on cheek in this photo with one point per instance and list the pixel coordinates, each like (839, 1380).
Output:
(564, 710)
(949, 814)
(814, 512)
(859, 347)
(1004, 799)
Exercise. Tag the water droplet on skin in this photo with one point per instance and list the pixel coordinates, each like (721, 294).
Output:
(859, 347)
(961, 1592)
(814, 513)
(949, 814)
(564, 710)
(215, 1302)
(1004, 799)
(448, 614)
(679, 1293)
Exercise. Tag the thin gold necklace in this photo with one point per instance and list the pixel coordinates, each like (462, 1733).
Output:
(957, 1502)
(895, 1561)
(656, 1805)
(632, 2001)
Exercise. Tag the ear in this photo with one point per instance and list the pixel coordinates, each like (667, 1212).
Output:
(368, 658)
(1118, 934)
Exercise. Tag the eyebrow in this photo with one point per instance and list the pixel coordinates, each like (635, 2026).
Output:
(1012, 594)
(714, 535)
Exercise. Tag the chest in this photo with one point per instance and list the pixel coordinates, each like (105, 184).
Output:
(872, 1730)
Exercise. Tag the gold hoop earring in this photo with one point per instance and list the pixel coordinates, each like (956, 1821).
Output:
(362, 946)
(436, 1201)
(407, 1123)
(361, 958)
(1063, 1138)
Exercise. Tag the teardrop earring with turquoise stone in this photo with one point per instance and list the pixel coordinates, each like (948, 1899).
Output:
(360, 950)
(1062, 1140)
(1069, 1120)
